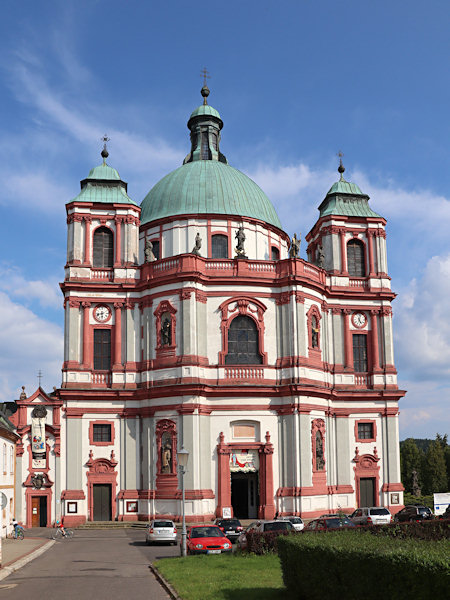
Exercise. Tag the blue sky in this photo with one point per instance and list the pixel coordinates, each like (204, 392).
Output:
(294, 81)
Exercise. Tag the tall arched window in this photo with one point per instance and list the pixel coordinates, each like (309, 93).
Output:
(219, 246)
(243, 342)
(355, 259)
(103, 256)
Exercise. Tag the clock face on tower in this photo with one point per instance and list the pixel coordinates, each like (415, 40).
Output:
(102, 313)
(359, 319)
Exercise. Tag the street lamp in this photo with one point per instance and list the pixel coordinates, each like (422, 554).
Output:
(183, 457)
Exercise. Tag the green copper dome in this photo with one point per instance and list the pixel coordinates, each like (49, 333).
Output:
(103, 184)
(205, 110)
(207, 187)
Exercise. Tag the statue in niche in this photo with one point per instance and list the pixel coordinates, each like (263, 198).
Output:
(294, 250)
(320, 461)
(166, 332)
(240, 237)
(314, 333)
(320, 256)
(198, 244)
(166, 453)
(148, 251)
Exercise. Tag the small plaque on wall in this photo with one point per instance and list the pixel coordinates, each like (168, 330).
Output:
(226, 512)
(132, 506)
(72, 507)
(395, 498)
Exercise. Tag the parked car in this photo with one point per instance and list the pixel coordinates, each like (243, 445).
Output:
(207, 539)
(296, 522)
(371, 515)
(263, 527)
(242, 539)
(161, 530)
(232, 528)
(446, 513)
(414, 512)
(326, 523)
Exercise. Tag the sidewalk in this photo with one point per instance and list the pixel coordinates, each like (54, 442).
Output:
(16, 553)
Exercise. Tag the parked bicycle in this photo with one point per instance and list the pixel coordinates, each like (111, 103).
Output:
(58, 534)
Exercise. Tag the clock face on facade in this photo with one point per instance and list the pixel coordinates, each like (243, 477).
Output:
(102, 313)
(359, 319)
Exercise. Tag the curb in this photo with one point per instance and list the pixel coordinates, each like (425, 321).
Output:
(164, 583)
(18, 564)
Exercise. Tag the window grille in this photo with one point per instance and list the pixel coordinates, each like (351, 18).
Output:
(360, 353)
(103, 254)
(243, 342)
(102, 349)
(365, 431)
(101, 432)
(219, 246)
(355, 259)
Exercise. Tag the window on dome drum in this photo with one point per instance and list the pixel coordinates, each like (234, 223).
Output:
(360, 353)
(214, 141)
(103, 254)
(102, 349)
(155, 244)
(275, 253)
(101, 432)
(219, 246)
(243, 346)
(205, 146)
(365, 431)
(355, 259)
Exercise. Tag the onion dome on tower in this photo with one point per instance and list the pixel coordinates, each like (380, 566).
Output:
(206, 184)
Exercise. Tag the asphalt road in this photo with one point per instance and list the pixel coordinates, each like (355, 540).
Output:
(96, 564)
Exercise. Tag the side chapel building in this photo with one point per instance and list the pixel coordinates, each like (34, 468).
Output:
(192, 321)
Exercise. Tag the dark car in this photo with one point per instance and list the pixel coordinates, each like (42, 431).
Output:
(414, 512)
(231, 528)
(328, 523)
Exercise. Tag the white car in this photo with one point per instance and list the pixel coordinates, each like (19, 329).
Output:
(373, 515)
(296, 522)
(161, 531)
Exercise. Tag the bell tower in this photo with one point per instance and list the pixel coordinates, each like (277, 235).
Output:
(102, 268)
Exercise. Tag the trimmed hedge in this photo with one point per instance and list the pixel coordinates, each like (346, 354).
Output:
(353, 564)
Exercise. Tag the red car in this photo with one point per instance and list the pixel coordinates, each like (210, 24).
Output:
(207, 539)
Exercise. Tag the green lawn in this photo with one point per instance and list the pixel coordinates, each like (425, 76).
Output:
(225, 577)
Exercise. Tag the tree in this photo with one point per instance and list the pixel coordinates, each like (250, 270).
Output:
(435, 473)
(411, 460)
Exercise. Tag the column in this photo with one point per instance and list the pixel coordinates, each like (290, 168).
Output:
(305, 449)
(374, 336)
(343, 252)
(74, 458)
(223, 478)
(370, 235)
(87, 240)
(267, 470)
(118, 257)
(77, 239)
(87, 338)
(117, 362)
(348, 339)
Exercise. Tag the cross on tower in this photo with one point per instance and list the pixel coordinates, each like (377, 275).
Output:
(39, 376)
(205, 74)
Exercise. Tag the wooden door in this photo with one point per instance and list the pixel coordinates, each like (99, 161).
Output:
(367, 491)
(35, 511)
(102, 502)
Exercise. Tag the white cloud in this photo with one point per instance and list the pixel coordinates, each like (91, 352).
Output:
(424, 410)
(14, 283)
(27, 344)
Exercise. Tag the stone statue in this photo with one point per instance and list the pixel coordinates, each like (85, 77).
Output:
(240, 237)
(320, 462)
(166, 457)
(148, 251)
(294, 250)
(415, 488)
(314, 333)
(320, 256)
(198, 244)
(165, 332)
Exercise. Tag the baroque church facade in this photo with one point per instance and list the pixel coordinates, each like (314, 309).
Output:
(191, 321)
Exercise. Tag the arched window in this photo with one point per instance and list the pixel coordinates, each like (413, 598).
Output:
(103, 257)
(355, 259)
(275, 253)
(243, 342)
(219, 246)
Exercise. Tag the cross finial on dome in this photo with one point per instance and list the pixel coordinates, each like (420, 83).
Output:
(205, 89)
(105, 152)
(341, 167)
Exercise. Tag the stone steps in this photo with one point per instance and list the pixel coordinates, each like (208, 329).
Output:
(112, 525)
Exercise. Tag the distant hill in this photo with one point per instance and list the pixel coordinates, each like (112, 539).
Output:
(422, 444)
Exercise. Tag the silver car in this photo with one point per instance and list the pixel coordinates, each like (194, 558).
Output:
(373, 515)
(296, 522)
(161, 531)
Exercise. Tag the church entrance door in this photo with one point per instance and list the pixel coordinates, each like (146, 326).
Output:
(367, 491)
(39, 511)
(102, 502)
(244, 495)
